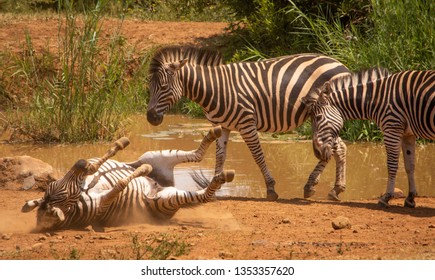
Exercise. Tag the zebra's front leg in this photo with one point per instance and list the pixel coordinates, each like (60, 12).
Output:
(408, 150)
(118, 145)
(250, 136)
(340, 170)
(313, 179)
(120, 185)
(392, 146)
(221, 150)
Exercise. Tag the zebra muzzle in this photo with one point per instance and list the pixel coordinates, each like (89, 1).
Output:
(153, 117)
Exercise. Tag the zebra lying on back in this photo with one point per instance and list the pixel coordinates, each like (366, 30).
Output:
(401, 104)
(105, 192)
(246, 97)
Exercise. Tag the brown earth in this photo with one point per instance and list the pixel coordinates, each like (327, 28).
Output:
(229, 228)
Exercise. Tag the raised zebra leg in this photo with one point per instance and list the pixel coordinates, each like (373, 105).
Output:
(120, 185)
(120, 144)
(166, 201)
(163, 162)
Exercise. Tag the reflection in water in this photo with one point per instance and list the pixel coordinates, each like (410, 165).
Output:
(290, 162)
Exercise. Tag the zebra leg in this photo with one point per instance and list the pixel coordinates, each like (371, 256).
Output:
(408, 150)
(250, 136)
(198, 154)
(313, 179)
(340, 170)
(392, 145)
(120, 144)
(221, 150)
(120, 185)
(166, 202)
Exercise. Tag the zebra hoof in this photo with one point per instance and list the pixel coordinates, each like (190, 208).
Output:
(309, 191)
(272, 195)
(121, 143)
(142, 170)
(228, 175)
(383, 203)
(332, 195)
(216, 132)
(409, 203)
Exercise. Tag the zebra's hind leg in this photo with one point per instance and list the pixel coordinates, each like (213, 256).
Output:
(408, 151)
(118, 145)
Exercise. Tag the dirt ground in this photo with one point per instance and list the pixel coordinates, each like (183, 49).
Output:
(228, 228)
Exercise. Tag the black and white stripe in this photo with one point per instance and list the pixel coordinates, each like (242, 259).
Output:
(247, 97)
(401, 104)
(106, 192)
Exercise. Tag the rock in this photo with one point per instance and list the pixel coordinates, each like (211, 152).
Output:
(341, 222)
(25, 172)
(285, 221)
(398, 193)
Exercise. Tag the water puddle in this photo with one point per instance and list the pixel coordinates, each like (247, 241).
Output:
(290, 162)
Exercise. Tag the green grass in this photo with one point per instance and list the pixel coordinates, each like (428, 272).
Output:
(84, 92)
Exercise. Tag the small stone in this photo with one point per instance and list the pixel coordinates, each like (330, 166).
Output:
(341, 222)
(431, 226)
(225, 254)
(285, 221)
(78, 236)
(6, 236)
(36, 245)
(184, 227)
(42, 238)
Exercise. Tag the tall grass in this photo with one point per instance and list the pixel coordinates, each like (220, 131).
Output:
(90, 94)
(399, 35)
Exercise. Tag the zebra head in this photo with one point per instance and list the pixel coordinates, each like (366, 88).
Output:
(326, 122)
(165, 78)
(59, 198)
(165, 90)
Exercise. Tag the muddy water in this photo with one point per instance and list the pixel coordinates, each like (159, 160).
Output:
(289, 161)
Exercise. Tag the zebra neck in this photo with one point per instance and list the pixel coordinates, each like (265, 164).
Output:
(201, 85)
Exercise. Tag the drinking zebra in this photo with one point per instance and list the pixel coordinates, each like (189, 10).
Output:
(401, 104)
(247, 97)
(105, 192)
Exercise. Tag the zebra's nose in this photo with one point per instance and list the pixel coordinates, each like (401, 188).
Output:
(154, 118)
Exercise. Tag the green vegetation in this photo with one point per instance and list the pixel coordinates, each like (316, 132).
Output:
(86, 90)
(159, 247)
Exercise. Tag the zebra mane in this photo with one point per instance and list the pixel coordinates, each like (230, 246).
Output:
(359, 78)
(195, 56)
(321, 95)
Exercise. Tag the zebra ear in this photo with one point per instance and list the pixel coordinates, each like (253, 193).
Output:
(31, 204)
(58, 213)
(175, 66)
(310, 99)
(325, 94)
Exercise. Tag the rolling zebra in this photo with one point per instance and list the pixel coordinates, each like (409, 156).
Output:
(247, 97)
(105, 192)
(401, 104)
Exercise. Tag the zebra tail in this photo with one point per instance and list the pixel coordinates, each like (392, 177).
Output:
(200, 179)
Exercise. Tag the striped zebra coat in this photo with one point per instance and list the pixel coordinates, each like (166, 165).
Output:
(401, 104)
(105, 192)
(247, 97)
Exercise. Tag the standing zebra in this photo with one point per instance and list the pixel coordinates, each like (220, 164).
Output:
(105, 192)
(246, 97)
(401, 104)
